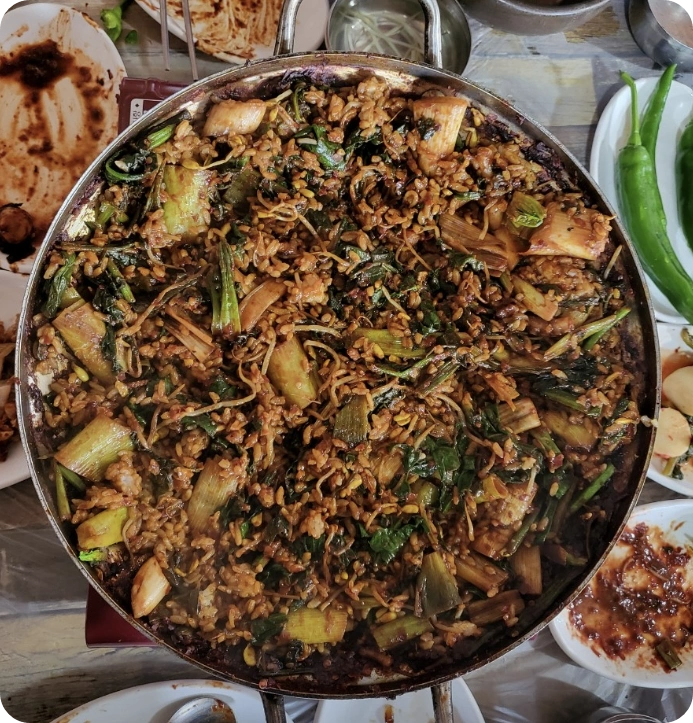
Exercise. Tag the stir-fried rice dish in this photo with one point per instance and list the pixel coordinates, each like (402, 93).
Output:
(336, 381)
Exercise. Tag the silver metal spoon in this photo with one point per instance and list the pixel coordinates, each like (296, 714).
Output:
(203, 710)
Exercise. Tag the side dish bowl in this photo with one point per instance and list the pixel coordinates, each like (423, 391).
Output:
(675, 520)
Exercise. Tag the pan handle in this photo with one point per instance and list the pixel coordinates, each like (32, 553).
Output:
(442, 702)
(433, 40)
(274, 708)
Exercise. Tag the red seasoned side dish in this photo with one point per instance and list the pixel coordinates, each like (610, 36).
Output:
(639, 601)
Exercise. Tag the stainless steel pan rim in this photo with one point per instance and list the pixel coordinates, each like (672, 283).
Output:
(264, 77)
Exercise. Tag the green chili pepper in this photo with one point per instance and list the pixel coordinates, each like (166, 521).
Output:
(654, 111)
(684, 178)
(643, 215)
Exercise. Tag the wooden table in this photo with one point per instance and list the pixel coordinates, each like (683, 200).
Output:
(562, 81)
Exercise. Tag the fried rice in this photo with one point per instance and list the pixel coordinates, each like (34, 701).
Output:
(339, 374)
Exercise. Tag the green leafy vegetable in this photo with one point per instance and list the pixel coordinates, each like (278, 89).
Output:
(265, 628)
(131, 38)
(58, 284)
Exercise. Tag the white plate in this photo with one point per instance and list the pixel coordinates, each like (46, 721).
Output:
(12, 286)
(78, 112)
(612, 134)
(669, 342)
(409, 708)
(310, 26)
(157, 702)
(675, 519)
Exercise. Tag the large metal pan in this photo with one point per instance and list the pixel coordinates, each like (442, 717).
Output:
(266, 79)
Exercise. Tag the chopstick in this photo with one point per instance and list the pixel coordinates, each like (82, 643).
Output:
(189, 37)
(163, 19)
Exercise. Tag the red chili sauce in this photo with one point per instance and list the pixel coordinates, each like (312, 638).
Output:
(638, 601)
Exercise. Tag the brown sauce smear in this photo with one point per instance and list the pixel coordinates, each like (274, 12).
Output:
(37, 65)
(638, 601)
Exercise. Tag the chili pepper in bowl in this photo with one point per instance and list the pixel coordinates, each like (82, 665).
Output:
(643, 214)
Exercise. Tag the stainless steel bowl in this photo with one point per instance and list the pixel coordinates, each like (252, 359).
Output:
(663, 30)
(372, 26)
(533, 18)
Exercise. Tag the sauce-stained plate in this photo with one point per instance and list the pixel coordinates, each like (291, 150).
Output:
(675, 520)
(611, 136)
(59, 79)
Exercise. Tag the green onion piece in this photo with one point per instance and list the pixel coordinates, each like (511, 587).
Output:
(522, 418)
(590, 491)
(313, 626)
(74, 479)
(519, 536)
(687, 337)
(113, 175)
(123, 287)
(491, 610)
(525, 211)
(93, 556)
(479, 571)
(213, 488)
(351, 423)
(84, 331)
(399, 631)
(668, 654)
(131, 38)
(94, 448)
(61, 500)
(439, 378)
(102, 530)
(230, 319)
(290, 372)
(390, 345)
(670, 466)
(600, 327)
(58, 286)
(526, 564)
(594, 338)
(436, 588)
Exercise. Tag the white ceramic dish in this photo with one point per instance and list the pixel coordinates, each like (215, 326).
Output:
(612, 134)
(156, 703)
(12, 286)
(77, 113)
(669, 342)
(310, 28)
(675, 519)
(409, 708)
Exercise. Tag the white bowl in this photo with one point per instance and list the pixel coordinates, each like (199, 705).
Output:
(669, 342)
(675, 519)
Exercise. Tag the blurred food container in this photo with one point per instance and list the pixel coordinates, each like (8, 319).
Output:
(663, 30)
(396, 27)
(533, 17)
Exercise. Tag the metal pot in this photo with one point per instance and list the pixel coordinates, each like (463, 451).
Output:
(524, 17)
(266, 79)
